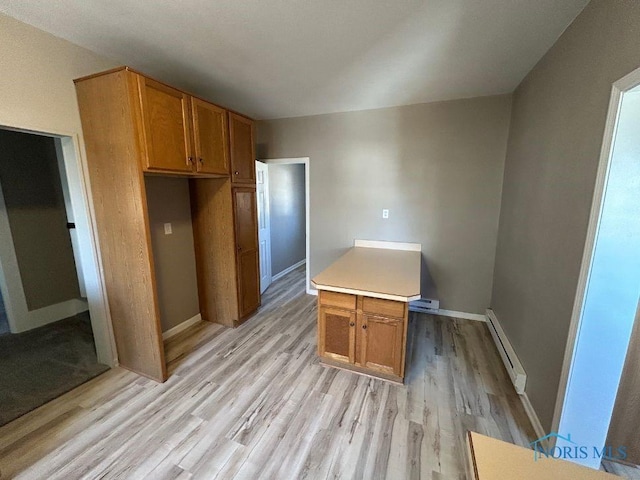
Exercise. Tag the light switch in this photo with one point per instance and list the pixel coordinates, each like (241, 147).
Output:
(167, 229)
(385, 213)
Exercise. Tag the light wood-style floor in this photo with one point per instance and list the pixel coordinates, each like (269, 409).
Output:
(630, 472)
(253, 402)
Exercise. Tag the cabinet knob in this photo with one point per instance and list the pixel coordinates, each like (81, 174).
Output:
(352, 324)
(236, 173)
(190, 160)
(201, 160)
(364, 327)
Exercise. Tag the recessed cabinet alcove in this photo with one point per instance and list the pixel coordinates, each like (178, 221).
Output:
(135, 126)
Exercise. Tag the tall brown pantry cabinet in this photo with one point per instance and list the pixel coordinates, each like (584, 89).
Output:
(135, 126)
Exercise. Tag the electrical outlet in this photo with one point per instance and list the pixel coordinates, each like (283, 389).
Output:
(385, 213)
(167, 229)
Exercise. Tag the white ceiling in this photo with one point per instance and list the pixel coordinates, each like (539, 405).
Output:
(284, 58)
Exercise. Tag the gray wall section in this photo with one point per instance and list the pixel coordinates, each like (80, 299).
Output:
(619, 250)
(438, 169)
(557, 126)
(168, 201)
(625, 421)
(287, 213)
(35, 206)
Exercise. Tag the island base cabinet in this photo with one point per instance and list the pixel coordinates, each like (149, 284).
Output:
(381, 346)
(361, 340)
(337, 339)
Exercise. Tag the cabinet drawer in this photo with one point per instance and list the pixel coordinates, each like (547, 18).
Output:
(335, 299)
(384, 308)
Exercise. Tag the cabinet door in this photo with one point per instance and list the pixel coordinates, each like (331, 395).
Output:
(246, 226)
(337, 334)
(210, 137)
(165, 119)
(242, 149)
(381, 344)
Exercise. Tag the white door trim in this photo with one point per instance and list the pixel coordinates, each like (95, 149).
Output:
(15, 302)
(80, 192)
(621, 86)
(307, 203)
(264, 217)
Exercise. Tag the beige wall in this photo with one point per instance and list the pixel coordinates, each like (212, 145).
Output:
(37, 93)
(287, 214)
(557, 127)
(37, 216)
(438, 169)
(174, 254)
(36, 85)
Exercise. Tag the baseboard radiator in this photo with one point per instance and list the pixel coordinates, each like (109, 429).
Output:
(507, 353)
(425, 305)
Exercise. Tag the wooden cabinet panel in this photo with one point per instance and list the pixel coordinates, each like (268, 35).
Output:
(370, 342)
(214, 242)
(337, 334)
(210, 137)
(166, 129)
(241, 149)
(117, 186)
(335, 299)
(381, 346)
(383, 308)
(246, 218)
(248, 282)
(246, 229)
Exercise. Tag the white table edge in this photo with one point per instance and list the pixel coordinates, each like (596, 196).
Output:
(367, 293)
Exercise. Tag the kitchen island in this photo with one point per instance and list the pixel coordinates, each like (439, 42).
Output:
(363, 307)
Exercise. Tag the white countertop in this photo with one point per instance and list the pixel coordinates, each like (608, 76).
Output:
(374, 272)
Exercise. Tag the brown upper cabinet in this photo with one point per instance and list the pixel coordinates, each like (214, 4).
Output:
(210, 134)
(184, 134)
(166, 127)
(242, 149)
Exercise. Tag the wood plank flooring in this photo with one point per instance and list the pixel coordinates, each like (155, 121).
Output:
(630, 472)
(253, 402)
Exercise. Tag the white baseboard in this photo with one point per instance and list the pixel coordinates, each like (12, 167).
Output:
(46, 315)
(533, 416)
(288, 270)
(172, 332)
(465, 315)
(312, 291)
(507, 353)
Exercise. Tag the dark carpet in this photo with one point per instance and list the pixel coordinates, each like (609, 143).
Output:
(42, 364)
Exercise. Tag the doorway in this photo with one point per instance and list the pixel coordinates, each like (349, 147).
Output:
(283, 218)
(57, 332)
(608, 293)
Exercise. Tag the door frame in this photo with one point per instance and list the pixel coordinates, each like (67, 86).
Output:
(623, 85)
(11, 289)
(77, 174)
(307, 206)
